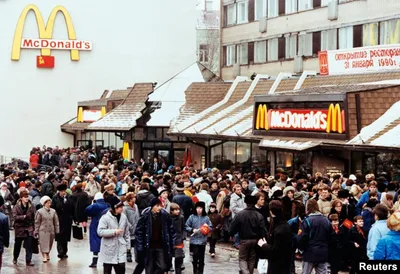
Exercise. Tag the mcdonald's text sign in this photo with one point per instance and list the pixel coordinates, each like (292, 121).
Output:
(330, 120)
(45, 41)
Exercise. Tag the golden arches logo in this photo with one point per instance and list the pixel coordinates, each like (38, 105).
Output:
(336, 119)
(45, 31)
(262, 117)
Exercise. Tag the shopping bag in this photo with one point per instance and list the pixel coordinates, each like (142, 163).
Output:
(35, 245)
(262, 266)
(77, 232)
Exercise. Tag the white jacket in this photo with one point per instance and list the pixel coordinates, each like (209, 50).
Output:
(203, 196)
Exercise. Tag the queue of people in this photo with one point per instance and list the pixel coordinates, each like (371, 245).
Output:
(148, 213)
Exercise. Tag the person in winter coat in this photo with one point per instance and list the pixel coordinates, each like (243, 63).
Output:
(47, 188)
(198, 240)
(143, 197)
(368, 215)
(372, 186)
(4, 232)
(8, 199)
(250, 226)
(378, 230)
(81, 201)
(24, 218)
(92, 186)
(287, 201)
(357, 243)
(237, 204)
(95, 211)
(46, 227)
(184, 202)
(324, 201)
(278, 248)
(314, 239)
(115, 239)
(132, 213)
(217, 223)
(179, 226)
(388, 247)
(35, 194)
(203, 196)
(155, 239)
(163, 196)
(65, 210)
(336, 247)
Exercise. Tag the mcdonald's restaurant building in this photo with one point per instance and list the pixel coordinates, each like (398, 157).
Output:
(340, 123)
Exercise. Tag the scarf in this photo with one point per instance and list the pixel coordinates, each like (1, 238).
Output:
(360, 231)
(336, 229)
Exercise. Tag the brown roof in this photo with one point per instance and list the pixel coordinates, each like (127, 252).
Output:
(349, 79)
(200, 96)
(124, 117)
(115, 95)
(75, 126)
(337, 89)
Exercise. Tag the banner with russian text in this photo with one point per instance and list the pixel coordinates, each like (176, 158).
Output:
(359, 60)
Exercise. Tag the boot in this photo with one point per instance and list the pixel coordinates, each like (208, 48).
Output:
(94, 262)
(195, 268)
(129, 256)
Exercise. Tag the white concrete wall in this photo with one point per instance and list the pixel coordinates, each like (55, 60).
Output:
(133, 41)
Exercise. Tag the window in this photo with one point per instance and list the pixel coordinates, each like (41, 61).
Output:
(291, 46)
(273, 50)
(229, 153)
(290, 6)
(346, 38)
(329, 39)
(243, 155)
(230, 55)
(306, 44)
(203, 53)
(209, 5)
(260, 52)
(243, 54)
(273, 8)
(242, 12)
(370, 34)
(231, 14)
(260, 9)
(390, 32)
(305, 4)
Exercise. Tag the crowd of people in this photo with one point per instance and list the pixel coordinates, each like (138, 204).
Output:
(147, 212)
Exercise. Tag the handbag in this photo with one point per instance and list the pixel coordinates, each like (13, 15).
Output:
(262, 266)
(77, 232)
(35, 245)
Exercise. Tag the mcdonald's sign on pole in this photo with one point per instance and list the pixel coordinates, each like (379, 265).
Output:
(45, 42)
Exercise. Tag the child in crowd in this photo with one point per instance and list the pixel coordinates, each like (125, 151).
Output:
(179, 226)
(368, 215)
(357, 243)
(198, 241)
(335, 254)
(217, 222)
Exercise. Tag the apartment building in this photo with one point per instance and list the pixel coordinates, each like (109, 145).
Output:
(273, 36)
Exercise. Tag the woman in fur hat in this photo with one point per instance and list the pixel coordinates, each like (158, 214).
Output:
(163, 196)
(109, 195)
(46, 227)
(198, 240)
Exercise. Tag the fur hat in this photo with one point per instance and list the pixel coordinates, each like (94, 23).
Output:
(3, 184)
(161, 190)
(77, 179)
(154, 201)
(62, 187)
(109, 186)
(370, 177)
(287, 189)
(343, 193)
(98, 196)
(117, 205)
(187, 184)
(180, 187)
(393, 223)
(213, 205)
(270, 178)
(273, 190)
(202, 205)
(353, 177)
(44, 199)
(250, 200)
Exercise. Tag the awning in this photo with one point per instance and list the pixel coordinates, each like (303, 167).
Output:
(289, 144)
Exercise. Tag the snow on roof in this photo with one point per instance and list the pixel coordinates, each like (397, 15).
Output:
(162, 117)
(287, 144)
(368, 132)
(389, 139)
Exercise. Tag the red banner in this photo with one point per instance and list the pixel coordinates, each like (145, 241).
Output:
(45, 61)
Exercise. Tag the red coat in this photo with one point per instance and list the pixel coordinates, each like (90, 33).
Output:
(34, 160)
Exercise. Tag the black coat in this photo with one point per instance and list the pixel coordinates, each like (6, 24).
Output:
(278, 250)
(249, 223)
(143, 200)
(65, 212)
(360, 253)
(185, 203)
(47, 189)
(81, 201)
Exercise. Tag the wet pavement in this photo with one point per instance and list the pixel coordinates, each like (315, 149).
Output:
(226, 261)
